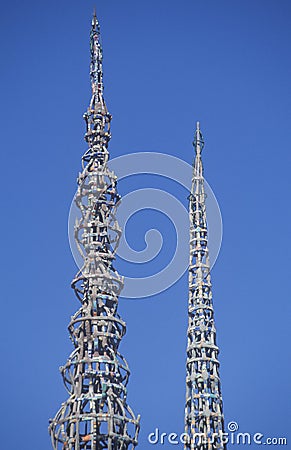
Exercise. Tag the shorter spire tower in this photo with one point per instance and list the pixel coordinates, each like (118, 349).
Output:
(96, 415)
(203, 412)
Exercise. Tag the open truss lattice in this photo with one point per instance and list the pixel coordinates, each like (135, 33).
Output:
(203, 411)
(96, 414)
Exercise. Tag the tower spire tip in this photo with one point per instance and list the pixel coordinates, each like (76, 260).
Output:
(198, 142)
(94, 19)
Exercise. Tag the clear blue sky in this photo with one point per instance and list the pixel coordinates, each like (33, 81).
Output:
(167, 64)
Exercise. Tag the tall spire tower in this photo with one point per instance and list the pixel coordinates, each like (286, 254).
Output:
(203, 411)
(96, 415)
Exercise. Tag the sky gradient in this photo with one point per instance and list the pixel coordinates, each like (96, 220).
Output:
(166, 65)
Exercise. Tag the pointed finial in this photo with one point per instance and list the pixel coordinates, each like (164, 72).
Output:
(198, 142)
(94, 18)
(96, 56)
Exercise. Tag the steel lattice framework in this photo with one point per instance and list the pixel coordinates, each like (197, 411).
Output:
(96, 414)
(203, 411)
